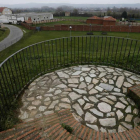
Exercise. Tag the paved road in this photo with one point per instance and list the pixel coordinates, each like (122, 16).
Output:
(14, 36)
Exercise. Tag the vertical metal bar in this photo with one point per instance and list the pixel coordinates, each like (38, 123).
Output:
(121, 50)
(137, 60)
(53, 55)
(8, 73)
(78, 50)
(35, 59)
(93, 49)
(63, 51)
(125, 49)
(74, 50)
(82, 50)
(71, 48)
(19, 71)
(5, 87)
(112, 50)
(67, 53)
(129, 54)
(108, 49)
(86, 51)
(46, 55)
(101, 50)
(116, 50)
(49, 55)
(13, 75)
(31, 62)
(56, 52)
(42, 57)
(38, 58)
(60, 51)
(89, 50)
(22, 66)
(133, 55)
(97, 49)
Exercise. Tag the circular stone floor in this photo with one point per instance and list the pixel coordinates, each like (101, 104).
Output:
(95, 94)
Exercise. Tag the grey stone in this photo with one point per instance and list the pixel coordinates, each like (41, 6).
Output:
(106, 86)
(38, 115)
(130, 101)
(120, 81)
(88, 105)
(96, 112)
(93, 99)
(74, 96)
(85, 98)
(108, 122)
(82, 85)
(24, 115)
(42, 108)
(117, 94)
(101, 69)
(80, 91)
(73, 85)
(64, 105)
(63, 75)
(92, 71)
(88, 79)
(134, 77)
(130, 81)
(104, 107)
(128, 118)
(81, 101)
(48, 112)
(122, 99)
(36, 102)
(95, 81)
(126, 84)
(61, 86)
(128, 109)
(120, 105)
(90, 118)
(31, 108)
(86, 69)
(52, 105)
(136, 121)
(57, 92)
(81, 79)
(65, 100)
(107, 100)
(128, 126)
(95, 127)
(112, 130)
(47, 103)
(136, 111)
(51, 90)
(90, 87)
(111, 82)
(78, 118)
(99, 88)
(111, 114)
(73, 81)
(117, 90)
(102, 74)
(93, 91)
(48, 95)
(121, 128)
(30, 99)
(119, 114)
(92, 75)
(103, 130)
(112, 97)
(77, 73)
(78, 109)
(109, 69)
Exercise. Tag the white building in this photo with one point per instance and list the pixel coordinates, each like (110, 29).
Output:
(5, 11)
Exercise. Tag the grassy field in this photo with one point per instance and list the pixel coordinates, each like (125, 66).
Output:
(71, 17)
(4, 33)
(61, 23)
(51, 55)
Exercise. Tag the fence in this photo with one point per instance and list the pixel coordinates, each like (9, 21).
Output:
(21, 68)
(86, 28)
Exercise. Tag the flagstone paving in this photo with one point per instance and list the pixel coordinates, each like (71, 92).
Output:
(96, 96)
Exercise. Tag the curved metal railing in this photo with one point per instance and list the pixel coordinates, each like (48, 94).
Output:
(19, 69)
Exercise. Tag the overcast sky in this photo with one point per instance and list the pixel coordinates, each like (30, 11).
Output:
(70, 1)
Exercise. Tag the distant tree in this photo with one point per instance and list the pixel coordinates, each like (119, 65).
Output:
(124, 14)
(75, 12)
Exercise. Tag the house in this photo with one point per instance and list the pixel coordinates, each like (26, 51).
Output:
(107, 20)
(67, 14)
(5, 11)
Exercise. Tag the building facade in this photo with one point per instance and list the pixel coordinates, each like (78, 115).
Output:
(5, 11)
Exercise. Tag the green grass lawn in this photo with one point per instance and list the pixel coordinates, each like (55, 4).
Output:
(71, 17)
(61, 23)
(4, 33)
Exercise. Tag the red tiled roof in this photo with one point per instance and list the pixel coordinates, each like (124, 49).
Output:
(94, 17)
(28, 21)
(1, 9)
(110, 19)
